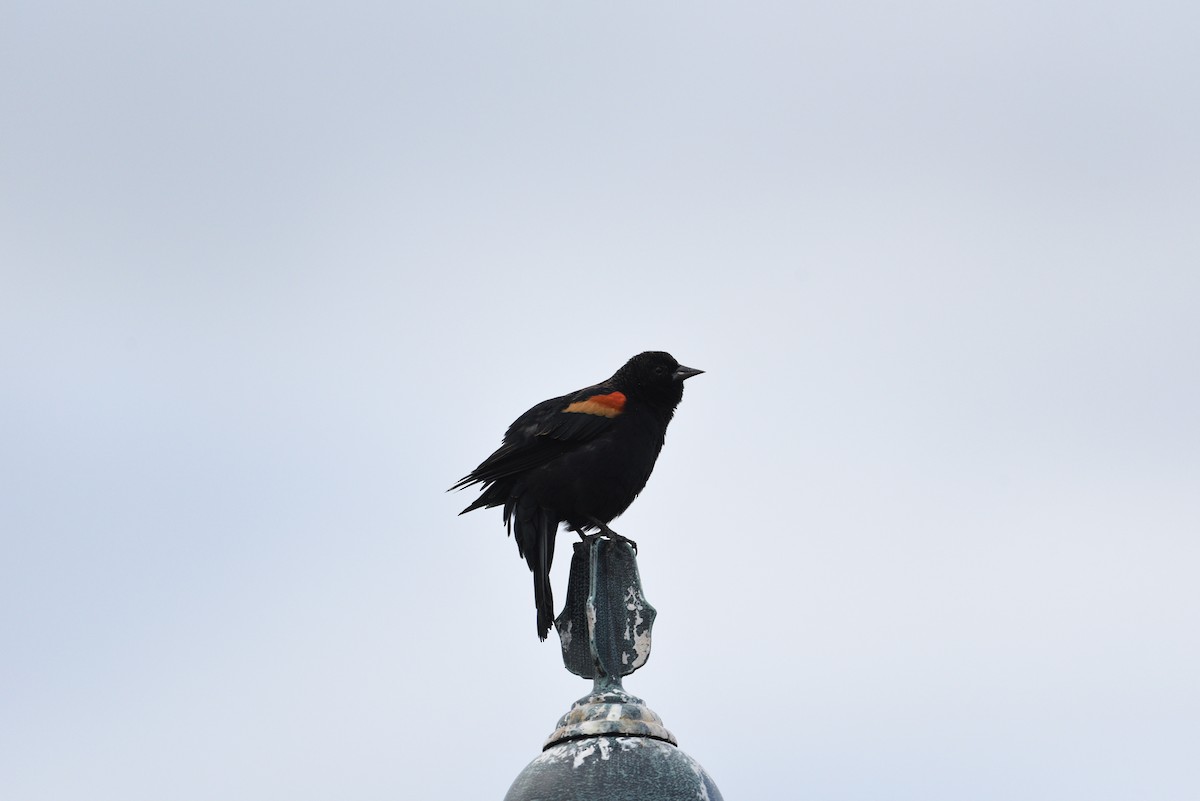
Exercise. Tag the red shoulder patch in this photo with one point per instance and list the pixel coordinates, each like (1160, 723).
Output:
(609, 405)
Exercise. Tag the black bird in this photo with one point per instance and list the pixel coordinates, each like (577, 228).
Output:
(579, 459)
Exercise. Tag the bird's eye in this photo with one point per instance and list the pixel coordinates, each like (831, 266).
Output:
(660, 370)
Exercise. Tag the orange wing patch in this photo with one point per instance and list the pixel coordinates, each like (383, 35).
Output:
(609, 405)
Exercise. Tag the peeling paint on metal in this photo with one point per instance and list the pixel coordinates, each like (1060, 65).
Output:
(583, 752)
(564, 635)
(641, 646)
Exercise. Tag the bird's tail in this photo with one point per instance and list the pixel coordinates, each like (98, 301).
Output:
(543, 595)
(534, 531)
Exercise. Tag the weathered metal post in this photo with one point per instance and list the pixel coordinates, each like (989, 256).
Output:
(609, 745)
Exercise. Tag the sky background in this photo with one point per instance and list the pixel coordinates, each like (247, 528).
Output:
(274, 275)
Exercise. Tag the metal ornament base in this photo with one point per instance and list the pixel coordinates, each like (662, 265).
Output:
(613, 712)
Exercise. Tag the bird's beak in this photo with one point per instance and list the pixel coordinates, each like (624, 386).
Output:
(683, 373)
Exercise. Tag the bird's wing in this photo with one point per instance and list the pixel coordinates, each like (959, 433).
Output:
(548, 430)
(582, 415)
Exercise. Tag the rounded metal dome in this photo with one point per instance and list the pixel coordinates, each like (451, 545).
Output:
(613, 769)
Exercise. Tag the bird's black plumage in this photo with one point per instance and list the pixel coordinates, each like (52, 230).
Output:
(579, 459)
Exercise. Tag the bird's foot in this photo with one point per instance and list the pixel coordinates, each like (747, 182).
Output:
(605, 531)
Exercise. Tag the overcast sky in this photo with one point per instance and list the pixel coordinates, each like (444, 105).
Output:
(274, 275)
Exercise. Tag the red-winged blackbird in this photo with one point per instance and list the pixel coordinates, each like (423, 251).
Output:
(579, 459)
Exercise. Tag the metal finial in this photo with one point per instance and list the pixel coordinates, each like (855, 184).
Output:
(605, 634)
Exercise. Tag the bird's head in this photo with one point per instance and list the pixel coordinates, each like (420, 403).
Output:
(655, 375)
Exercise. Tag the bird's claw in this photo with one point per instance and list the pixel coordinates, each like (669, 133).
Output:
(618, 538)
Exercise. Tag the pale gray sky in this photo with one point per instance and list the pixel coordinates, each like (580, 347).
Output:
(273, 276)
